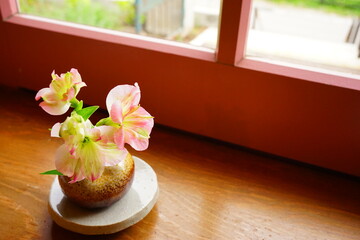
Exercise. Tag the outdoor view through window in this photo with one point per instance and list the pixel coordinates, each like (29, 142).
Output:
(320, 33)
(190, 21)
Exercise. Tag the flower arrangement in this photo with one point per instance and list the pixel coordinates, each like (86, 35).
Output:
(89, 148)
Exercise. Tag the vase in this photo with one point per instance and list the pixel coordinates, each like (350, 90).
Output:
(104, 191)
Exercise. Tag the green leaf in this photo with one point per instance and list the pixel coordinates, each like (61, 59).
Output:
(52, 172)
(106, 121)
(87, 112)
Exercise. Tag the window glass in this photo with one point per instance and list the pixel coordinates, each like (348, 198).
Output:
(190, 21)
(320, 33)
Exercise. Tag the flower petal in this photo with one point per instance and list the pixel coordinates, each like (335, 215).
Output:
(135, 141)
(78, 173)
(76, 77)
(127, 95)
(41, 93)
(55, 130)
(137, 128)
(106, 134)
(70, 94)
(67, 164)
(119, 138)
(112, 155)
(59, 86)
(79, 85)
(61, 91)
(139, 119)
(92, 160)
(55, 109)
(116, 113)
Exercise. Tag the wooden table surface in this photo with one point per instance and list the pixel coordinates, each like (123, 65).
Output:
(208, 190)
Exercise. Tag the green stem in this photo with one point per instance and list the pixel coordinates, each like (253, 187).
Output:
(76, 104)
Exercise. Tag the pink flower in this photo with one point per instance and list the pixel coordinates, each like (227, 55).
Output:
(132, 123)
(61, 91)
(84, 153)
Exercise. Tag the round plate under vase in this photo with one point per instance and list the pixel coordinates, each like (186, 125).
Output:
(130, 209)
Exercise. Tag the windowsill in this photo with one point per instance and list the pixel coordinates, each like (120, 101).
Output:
(319, 54)
(312, 74)
(207, 190)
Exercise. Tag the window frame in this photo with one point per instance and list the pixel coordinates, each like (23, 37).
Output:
(231, 45)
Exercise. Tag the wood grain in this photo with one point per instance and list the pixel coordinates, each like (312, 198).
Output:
(208, 190)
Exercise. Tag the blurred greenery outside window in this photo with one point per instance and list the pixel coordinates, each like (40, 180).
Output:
(178, 20)
(115, 15)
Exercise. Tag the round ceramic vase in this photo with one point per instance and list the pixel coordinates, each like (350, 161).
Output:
(104, 191)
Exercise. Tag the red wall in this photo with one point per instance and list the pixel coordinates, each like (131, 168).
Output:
(301, 120)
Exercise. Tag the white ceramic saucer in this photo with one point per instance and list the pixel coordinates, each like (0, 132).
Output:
(130, 209)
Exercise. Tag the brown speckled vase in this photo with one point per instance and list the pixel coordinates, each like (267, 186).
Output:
(104, 191)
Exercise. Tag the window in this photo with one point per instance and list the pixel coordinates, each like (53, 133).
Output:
(230, 49)
(320, 33)
(194, 22)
